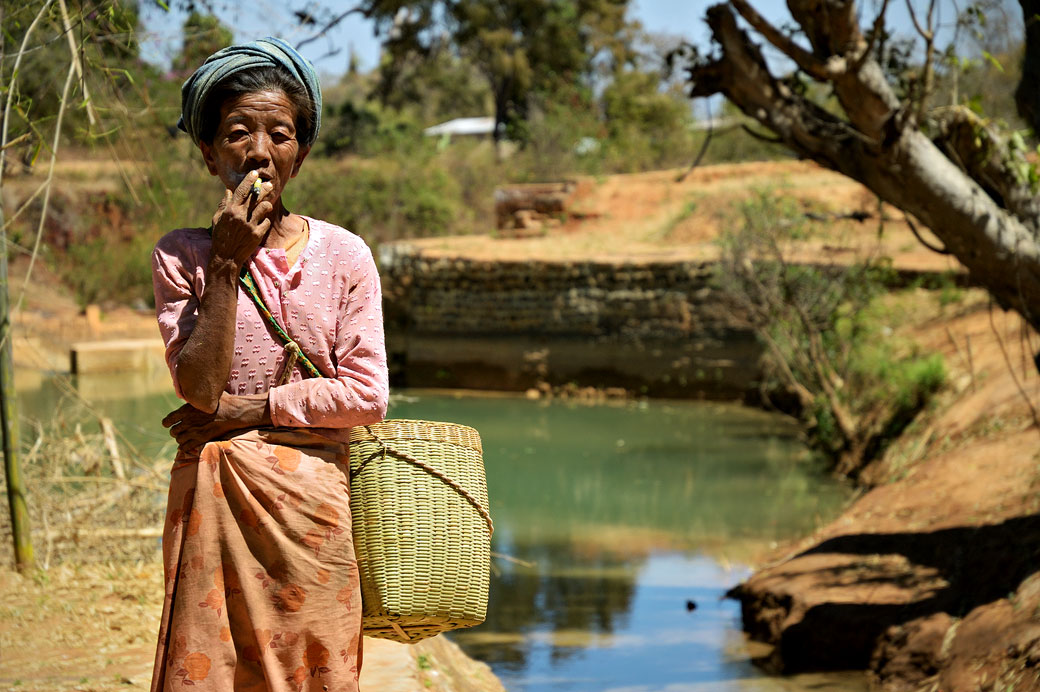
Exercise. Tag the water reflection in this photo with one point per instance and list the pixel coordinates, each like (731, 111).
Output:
(574, 608)
(615, 517)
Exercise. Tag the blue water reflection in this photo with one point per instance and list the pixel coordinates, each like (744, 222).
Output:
(612, 518)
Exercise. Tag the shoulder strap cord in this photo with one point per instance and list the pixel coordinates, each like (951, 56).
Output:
(294, 354)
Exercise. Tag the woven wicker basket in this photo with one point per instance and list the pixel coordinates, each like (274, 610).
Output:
(422, 532)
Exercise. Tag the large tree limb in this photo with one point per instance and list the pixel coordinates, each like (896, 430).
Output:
(833, 30)
(878, 148)
(803, 58)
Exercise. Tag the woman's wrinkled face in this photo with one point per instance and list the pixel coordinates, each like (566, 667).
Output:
(257, 131)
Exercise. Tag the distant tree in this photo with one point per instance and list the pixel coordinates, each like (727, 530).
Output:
(204, 35)
(520, 47)
(439, 86)
(652, 125)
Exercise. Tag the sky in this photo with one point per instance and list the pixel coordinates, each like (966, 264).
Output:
(330, 54)
(161, 39)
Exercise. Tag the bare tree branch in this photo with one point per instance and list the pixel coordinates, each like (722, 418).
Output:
(917, 234)
(74, 50)
(924, 87)
(759, 136)
(62, 105)
(875, 31)
(330, 25)
(803, 58)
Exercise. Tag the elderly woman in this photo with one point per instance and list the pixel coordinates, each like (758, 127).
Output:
(274, 337)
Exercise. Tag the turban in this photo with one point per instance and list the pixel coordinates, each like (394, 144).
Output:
(265, 52)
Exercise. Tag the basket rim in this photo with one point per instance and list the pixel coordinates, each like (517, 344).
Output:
(421, 421)
(469, 437)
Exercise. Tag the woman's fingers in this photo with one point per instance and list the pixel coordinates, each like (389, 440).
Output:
(235, 232)
(265, 189)
(263, 226)
(191, 438)
(178, 414)
(189, 434)
(224, 202)
(262, 210)
(245, 188)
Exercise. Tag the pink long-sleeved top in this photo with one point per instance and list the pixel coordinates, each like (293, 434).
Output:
(329, 302)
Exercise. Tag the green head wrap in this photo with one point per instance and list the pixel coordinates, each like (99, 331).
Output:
(265, 52)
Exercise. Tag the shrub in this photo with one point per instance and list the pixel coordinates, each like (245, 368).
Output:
(381, 199)
(855, 384)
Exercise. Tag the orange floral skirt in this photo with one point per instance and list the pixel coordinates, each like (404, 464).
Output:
(262, 589)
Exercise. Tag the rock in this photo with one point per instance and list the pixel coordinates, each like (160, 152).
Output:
(910, 654)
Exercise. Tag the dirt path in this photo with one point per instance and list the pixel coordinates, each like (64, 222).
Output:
(91, 628)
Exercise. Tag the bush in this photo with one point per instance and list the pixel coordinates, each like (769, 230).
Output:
(367, 129)
(99, 271)
(381, 199)
(828, 348)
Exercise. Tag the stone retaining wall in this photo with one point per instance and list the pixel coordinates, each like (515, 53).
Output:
(657, 328)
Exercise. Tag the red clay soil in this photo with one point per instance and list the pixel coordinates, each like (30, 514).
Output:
(652, 216)
(930, 580)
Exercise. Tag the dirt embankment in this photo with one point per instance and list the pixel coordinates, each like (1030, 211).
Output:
(931, 579)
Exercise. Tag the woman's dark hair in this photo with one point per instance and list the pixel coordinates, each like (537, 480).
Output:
(270, 78)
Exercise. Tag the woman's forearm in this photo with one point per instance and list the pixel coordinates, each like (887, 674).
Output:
(204, 362)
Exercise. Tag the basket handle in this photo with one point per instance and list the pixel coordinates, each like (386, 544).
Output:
(387, 449)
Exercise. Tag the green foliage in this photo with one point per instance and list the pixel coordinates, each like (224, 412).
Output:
(204, 35)
(100, 271)
(520, 47)
(986, 84)
(647, 128)
(553, 133)
(830, 341)
(432, 89)
(380, 199)
(107, 48)
(368, 129)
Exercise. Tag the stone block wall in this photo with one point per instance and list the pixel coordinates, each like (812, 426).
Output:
(657, 328)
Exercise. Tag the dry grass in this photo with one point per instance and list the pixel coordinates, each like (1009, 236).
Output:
(92, 497)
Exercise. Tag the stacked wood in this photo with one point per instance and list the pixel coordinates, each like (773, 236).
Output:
(529, 209)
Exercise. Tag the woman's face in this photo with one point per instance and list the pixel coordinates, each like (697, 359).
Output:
(257, 131)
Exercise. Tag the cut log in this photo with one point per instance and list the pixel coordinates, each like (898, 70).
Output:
(542, 198)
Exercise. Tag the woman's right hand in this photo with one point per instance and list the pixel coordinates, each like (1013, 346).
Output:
(239, 224)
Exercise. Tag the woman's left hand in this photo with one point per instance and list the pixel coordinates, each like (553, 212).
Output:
(193, 428)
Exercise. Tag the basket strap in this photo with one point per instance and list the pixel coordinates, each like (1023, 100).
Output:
(293, 353)
(387, 449)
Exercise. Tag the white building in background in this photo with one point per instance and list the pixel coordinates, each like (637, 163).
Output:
(463, 127)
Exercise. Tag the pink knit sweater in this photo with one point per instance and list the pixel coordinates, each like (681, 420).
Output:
(329, 302)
